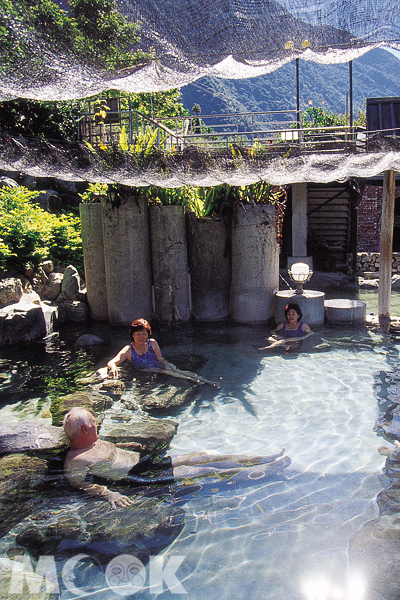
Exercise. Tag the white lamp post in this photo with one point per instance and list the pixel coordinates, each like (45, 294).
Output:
(300, 273)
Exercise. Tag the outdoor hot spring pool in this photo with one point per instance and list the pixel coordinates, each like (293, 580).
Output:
(247, 537)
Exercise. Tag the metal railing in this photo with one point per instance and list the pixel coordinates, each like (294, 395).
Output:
(260, 131)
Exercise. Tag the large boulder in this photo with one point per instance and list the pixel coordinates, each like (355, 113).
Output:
(70, 285)
(47, 198)
(22, 323)
(10, 291)
(92, 401)
(31, 436)
(28, 181)
(154, 434)
(51, 287)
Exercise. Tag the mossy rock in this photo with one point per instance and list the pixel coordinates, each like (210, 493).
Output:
(77, 523)
(21, 479)
(34, 437)
(92, 401)
(167, 395)
(154, 434)
(113, 386)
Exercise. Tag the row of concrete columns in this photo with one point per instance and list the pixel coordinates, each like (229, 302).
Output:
(161, 262)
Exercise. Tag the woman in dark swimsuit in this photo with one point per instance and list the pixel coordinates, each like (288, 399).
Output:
(143, 352)
(293, 330)
(293, 327)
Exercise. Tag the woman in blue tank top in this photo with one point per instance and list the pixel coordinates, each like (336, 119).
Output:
(293, 327)
(143, 352)
(290, 333)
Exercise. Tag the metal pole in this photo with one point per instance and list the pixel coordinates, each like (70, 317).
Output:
(351, 95)
(130, 122)
(298, 91)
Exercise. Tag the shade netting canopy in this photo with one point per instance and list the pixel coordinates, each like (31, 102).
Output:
(192, 38)
(189, 39)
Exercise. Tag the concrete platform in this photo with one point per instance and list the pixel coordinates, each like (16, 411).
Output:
(345, 311)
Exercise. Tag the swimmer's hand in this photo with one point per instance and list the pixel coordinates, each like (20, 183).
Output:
(135, 445)
(393, 454)
(112, 371)
(117, 499)
(385, 451)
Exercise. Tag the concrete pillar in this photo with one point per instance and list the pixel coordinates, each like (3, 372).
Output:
(299, 219)
(310, 302)
(93, 259)
(255, 263)
(170, 263)
(385, 263)
(127, 260)
(210, 268)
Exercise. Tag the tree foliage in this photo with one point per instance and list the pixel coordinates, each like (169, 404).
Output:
(50, 120)
(29, 234)
(94, 31)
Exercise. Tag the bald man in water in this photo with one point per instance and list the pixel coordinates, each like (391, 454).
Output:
(90, 456)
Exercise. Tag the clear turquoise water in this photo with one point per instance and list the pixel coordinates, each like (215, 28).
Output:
(267, 540)
(255, 537)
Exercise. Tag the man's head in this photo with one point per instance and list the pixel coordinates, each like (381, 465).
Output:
(80, 427)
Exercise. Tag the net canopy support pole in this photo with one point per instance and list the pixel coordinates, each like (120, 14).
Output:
(298, 88)
(351, 92)
(385, 265)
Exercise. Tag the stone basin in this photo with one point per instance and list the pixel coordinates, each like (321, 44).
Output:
(345, 311)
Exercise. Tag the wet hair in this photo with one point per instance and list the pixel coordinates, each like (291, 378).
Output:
(292, 306)
(74, 420)
(139, 325)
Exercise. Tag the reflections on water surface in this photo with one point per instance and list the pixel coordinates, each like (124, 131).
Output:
(276, 536)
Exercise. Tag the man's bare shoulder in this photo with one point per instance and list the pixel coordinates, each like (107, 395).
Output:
(97, 451)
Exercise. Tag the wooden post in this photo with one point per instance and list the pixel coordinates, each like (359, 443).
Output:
(385, 264)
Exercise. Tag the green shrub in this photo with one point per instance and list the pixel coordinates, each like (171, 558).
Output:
(29, 234)
(319, 116)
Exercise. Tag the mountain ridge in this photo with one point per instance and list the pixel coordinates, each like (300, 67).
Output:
(375, 74)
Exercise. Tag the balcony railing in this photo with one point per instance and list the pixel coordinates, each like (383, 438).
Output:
(272, 131)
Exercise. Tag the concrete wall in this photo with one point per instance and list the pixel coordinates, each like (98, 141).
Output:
(369, 218)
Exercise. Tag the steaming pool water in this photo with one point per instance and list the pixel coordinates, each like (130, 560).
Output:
(255, 537)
